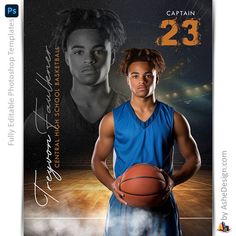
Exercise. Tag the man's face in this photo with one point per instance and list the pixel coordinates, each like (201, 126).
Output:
(142, 78)
(88, 56)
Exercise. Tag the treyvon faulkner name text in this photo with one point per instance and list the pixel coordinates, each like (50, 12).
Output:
(51, 127)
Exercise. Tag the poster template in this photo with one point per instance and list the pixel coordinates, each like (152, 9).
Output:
(61, 119)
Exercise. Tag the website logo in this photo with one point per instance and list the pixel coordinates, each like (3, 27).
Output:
(223, 227)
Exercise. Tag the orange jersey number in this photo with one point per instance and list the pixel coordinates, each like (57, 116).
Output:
(191, 39)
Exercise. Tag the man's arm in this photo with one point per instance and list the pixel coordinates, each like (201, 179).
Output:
(188, 149)
(103, 148)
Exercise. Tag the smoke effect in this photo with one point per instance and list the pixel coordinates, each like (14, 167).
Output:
(60, 222)
(57, 227)
(137, 222)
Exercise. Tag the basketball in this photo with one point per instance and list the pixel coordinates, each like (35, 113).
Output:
(144, 186)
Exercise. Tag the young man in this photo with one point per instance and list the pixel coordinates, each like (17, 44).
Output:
(89, 39)
(143, 130)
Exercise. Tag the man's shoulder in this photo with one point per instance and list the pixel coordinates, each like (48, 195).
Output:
(121, 106)
(164, 104)
(121, 111)
(166, 107)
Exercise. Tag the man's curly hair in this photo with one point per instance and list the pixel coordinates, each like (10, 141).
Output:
(143, 54)
(105, 21)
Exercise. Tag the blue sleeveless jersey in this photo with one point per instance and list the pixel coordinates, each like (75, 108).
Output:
(143, 142)
(149, 142)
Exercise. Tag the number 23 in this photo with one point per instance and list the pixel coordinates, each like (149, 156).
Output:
(190, 24)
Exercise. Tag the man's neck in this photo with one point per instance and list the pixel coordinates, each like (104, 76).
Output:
(143, 107)
(143, 104)
(82, 94)
(92, 101)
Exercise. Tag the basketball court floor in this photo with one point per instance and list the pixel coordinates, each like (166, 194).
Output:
(81, 202)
